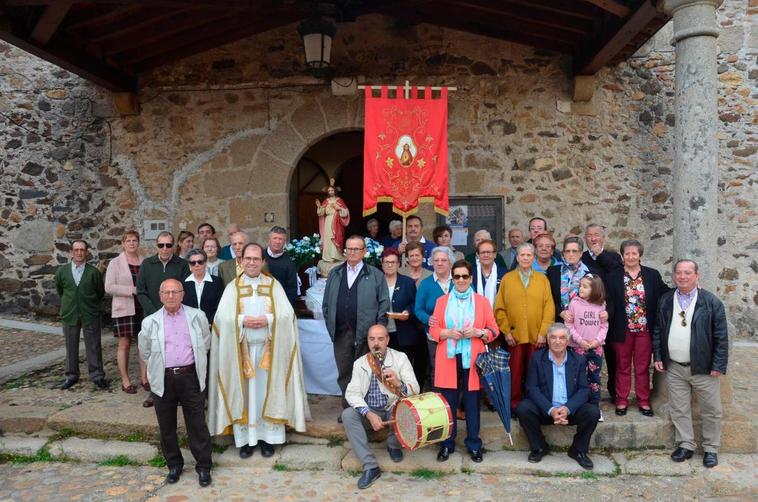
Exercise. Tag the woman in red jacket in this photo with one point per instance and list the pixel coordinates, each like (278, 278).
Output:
(464, 321)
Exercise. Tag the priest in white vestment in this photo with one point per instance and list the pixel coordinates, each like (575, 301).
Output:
(256, 383)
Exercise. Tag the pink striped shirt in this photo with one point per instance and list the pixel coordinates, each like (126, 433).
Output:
(178, 344)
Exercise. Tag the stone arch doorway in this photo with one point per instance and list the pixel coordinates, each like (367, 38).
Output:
(338, 156)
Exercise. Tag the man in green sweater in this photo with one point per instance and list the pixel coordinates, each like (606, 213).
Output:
(81, 289)
(156, 269)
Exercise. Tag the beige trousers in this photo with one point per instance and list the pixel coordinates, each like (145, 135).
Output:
(707, 389)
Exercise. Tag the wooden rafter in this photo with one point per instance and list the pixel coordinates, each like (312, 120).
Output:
(612, 6)
(615, 40)
(49, 22)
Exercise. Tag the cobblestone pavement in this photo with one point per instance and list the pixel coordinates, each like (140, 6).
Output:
(18, 345)
(87, 482)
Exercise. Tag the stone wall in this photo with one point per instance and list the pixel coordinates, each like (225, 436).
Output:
(219, 134)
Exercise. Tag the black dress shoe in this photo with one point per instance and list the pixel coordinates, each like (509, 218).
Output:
(100, 383)
(396, 454)
(444, 454)
(174, 473)
(70, 382)
(476, 455)
(648, 412)
(204, 478)
(267, 450)
(246, 451)
(339, 419)
(581, 459)
(535, 456)
(710, 459)
(368, 477)
(681, 454)
(621, 411)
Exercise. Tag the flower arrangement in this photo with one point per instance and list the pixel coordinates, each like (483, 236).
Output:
(373, 252)
(304, 251)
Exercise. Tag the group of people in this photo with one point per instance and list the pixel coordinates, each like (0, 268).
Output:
(219, 321)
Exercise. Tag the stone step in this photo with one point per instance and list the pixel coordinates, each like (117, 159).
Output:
(118, 415)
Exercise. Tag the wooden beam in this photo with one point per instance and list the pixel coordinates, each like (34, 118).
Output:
(522, 14)
(63, 53)
(101, 19)
(165, 30)
(570, 8)
(615, 40)
(531, 39)
(211, 38)
(49, 22)
(612, 6)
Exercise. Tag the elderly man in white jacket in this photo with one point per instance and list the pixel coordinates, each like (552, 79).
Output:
(174, 343)
(379, 379)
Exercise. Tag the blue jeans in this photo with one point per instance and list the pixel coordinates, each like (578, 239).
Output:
(470, 406)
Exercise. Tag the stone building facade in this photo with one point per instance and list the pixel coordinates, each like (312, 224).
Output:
(218, 135)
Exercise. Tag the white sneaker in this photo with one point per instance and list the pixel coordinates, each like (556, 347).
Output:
(602, 418)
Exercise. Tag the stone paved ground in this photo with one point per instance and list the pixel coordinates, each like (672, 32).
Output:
(17, 345)
(89, 482)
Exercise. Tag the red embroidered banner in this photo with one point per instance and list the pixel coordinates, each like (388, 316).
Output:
(405, 151)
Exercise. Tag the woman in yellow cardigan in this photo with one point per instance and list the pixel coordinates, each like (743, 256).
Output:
(524, 310)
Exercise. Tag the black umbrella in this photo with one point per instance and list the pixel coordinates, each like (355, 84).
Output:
(496, 380)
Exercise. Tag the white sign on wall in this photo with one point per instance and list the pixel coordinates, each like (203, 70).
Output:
(152, 228)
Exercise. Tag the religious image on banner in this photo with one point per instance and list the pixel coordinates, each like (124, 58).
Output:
(405, 151)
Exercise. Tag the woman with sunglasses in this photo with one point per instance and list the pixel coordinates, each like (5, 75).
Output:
(633, 294)
(201, 289)
(464, 324)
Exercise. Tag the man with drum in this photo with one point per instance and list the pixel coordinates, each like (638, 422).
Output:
(379, 379)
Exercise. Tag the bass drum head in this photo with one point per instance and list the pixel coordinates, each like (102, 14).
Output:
(407, 425)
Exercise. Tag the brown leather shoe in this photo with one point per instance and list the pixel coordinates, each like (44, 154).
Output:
(147, 403)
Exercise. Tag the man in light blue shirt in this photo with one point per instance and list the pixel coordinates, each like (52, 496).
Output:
(557, 392)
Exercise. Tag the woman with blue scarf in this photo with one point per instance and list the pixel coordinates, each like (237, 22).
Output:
(464, 324)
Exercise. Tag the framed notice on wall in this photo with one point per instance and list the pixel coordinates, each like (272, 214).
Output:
(469, 214)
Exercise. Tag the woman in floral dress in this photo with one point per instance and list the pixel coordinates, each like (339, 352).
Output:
(633, 294)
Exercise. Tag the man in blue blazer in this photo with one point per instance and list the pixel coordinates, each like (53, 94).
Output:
(557, 393)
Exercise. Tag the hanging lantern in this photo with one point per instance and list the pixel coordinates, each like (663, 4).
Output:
(317, 35)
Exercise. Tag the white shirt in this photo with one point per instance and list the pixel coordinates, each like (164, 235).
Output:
(199, 285)
(352, 273)
(272, 254)
(445, 285)
(78, 271)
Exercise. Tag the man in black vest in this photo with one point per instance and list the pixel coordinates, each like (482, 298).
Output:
(356, 298)
(279, 263)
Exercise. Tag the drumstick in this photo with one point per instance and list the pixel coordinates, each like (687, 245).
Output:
(388, 422)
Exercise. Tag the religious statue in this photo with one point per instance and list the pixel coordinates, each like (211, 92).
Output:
(333, 217)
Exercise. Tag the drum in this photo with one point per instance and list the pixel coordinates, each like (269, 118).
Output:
(422, 419)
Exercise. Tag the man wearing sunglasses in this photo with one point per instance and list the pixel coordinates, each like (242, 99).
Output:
(156, 269)
(690, 343)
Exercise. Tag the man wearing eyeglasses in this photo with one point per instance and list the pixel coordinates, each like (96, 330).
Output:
(355, 299)
(174, 342)
(256, 385)
(691, 344)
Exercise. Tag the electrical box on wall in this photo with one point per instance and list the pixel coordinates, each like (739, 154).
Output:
(152, 228)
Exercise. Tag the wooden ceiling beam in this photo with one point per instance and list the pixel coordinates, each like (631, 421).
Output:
(531, 39)
(525, 14)
(208, 4)
(614, 39)
(213, 37)
(61, 52)
(102, 19)
(129, 26)
(570, 8)
(612, 6)
(150, 34)
(49, 22)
